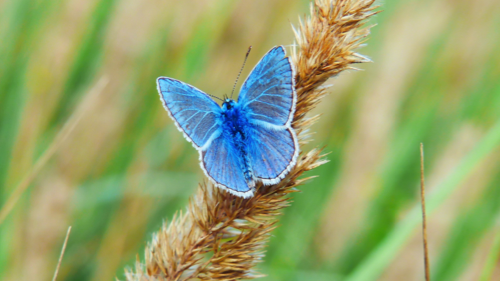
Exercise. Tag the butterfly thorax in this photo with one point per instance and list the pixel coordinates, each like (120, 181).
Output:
(235, 125)
(233, 119)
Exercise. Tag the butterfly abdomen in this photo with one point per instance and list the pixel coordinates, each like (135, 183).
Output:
(235, 125)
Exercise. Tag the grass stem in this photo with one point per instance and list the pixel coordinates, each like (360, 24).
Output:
(62, 254)
(424, 219)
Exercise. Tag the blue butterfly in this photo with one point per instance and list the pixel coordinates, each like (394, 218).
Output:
(245, 141)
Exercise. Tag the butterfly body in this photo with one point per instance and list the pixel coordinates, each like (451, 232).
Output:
(236, 127)
(245, 141)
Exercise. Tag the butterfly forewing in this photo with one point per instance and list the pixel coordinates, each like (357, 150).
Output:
(268, 92)
(194, 112)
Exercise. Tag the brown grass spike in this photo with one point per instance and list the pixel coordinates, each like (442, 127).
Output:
(223, 237)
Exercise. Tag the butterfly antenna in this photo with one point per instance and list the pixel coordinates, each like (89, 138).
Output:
(246, 56)
(215, 97)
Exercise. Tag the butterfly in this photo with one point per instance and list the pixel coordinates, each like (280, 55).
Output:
(241, 142)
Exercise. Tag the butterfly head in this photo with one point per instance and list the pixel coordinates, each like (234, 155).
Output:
(228, 104)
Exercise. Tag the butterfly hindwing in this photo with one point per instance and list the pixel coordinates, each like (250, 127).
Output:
(222, 162)
(194, 112)
(268, 93)
(272, 153)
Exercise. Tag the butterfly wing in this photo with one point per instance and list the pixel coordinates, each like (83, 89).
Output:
(272, 152)
(268, 93)
(268, 96)
(224, 165)
(194, 112)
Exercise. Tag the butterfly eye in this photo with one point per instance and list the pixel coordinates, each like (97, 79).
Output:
(227, 104)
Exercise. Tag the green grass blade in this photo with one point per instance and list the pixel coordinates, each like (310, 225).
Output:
(467, 232)
(492, 258)
(381, 257)
(87, 59)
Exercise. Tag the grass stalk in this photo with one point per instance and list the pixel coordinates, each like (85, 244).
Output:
(424, 217)
(62, 254)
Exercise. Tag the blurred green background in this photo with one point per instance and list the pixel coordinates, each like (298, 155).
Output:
(125, 168)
